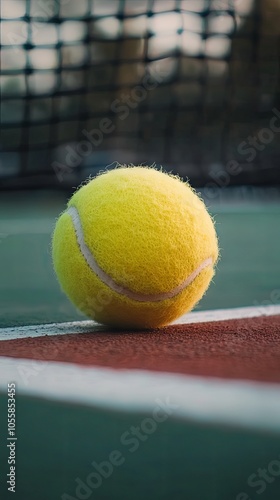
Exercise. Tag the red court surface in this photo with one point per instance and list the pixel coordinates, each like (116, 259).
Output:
(247, 348)
(80, 388)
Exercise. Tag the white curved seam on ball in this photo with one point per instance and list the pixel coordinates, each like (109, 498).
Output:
(107, 280)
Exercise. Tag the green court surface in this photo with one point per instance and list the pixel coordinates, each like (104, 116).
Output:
(57, 443)
(248, 272)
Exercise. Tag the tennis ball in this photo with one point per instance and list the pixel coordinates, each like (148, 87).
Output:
(135, 248)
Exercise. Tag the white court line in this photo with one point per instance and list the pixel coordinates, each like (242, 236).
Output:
(243, 404)
(224, 314)
(91, 326)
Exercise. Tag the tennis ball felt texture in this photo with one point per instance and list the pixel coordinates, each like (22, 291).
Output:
(135, 248)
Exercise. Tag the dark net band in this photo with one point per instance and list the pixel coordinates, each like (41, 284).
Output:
(190, 85)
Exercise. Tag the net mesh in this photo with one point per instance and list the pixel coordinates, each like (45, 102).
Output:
(191, 85)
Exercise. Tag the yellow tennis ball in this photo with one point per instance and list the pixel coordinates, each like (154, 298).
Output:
(135, 248)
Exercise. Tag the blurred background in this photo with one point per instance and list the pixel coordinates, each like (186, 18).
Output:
(189, 85)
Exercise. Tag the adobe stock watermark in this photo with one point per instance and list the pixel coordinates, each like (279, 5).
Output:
(255, 143)
(250, 148)
(130, 442)
(273, 300)
(3, 236)
(121, 107)
(265, 306)
(94, 305)
(32, 368)
(221, 5)
(45, 10)
(261, 479)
